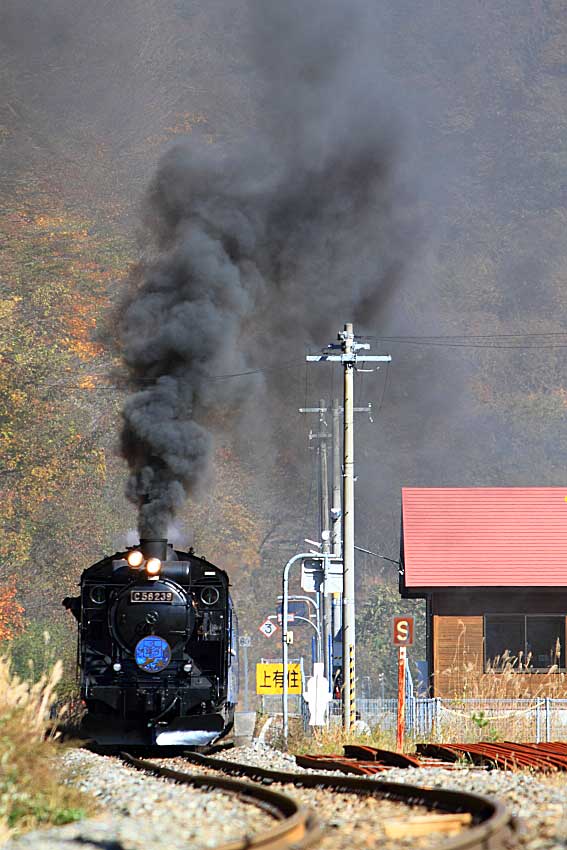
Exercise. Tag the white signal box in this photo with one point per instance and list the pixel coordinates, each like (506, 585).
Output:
(313, 576)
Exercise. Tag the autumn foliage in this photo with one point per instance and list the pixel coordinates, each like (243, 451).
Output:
(11, 612)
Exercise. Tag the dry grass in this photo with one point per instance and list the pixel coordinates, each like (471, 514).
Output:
(331, 739)
(508, 679)
(32, 790)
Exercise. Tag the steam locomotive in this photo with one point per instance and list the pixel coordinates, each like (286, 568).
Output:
(157, 648)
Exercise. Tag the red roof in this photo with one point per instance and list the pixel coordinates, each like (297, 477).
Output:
(485, 537)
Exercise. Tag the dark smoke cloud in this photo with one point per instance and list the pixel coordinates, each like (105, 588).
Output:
(279, 236)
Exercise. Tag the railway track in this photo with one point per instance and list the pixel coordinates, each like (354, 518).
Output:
(296, 827)
(491, 825)
(504, 755)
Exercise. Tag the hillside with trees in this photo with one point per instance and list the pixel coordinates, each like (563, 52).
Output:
(92, 96)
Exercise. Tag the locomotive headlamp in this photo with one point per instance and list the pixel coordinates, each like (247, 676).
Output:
(135, 558)
(153, 566)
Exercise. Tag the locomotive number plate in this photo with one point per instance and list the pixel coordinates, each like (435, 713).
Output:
(151, 596)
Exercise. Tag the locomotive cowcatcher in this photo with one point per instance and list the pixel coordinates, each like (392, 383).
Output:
(157, 648)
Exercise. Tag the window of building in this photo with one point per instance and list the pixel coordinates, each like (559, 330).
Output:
(531, 642)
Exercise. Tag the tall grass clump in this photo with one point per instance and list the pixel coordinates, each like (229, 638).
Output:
(332, 738)
(495, 700)
(32, 788)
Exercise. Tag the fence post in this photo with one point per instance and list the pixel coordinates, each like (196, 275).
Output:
(538, 721)
(547, 719)
(436, 716)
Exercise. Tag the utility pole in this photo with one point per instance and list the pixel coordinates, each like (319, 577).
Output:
(349, 634)
(348, 358)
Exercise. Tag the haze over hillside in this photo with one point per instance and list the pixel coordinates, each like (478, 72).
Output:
(474, 104)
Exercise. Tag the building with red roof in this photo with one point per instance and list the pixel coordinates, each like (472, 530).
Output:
(491, 563)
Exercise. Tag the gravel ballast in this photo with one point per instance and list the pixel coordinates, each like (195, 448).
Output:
(141, 811)
(539, 803)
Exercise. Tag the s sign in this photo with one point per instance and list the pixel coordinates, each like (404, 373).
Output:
(403, 631)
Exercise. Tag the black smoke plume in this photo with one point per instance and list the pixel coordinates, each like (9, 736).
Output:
(258, 243)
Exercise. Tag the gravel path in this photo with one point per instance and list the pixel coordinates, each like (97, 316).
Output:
(140, 812)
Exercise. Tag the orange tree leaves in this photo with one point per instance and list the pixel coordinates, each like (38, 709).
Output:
(11, 612)
(57, 268)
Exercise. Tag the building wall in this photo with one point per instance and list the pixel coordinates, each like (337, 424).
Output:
(457, 646)
(457, 655)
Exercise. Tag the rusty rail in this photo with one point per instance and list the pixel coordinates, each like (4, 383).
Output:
(361, 760)
(504, 755)
(492, 825)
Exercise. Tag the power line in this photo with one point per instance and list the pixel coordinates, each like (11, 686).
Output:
(477, 345)
(549, 341)
(384, 390)
(535, 341)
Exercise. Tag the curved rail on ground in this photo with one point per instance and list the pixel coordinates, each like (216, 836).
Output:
(296, 826)
(492, 825)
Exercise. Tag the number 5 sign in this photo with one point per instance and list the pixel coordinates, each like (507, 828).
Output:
(403, 631)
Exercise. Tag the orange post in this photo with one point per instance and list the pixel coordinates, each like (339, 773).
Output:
(402, 655)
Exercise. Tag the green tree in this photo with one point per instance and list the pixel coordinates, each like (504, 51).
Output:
(376, 653)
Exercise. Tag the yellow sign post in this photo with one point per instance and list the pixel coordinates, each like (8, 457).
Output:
(269, 678)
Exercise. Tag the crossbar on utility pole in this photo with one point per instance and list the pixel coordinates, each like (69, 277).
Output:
(348, 358)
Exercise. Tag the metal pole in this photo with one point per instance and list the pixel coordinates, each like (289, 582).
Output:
(312, 624)
(285, 602)
(325, 537)
(245, 648)
(336, 508)
(294, 598)
(400, 729)
(349, 636)
(319, 593)
(336, 517)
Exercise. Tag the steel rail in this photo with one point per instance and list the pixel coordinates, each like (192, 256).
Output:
(493, 826)
(504, 755)
(297, 828)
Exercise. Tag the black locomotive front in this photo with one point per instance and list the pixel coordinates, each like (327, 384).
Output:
(157, 648)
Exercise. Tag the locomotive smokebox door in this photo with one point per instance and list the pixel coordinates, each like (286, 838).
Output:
(159, 609)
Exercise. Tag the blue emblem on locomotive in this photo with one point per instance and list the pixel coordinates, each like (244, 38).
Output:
(152, 654)
(157, 648)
